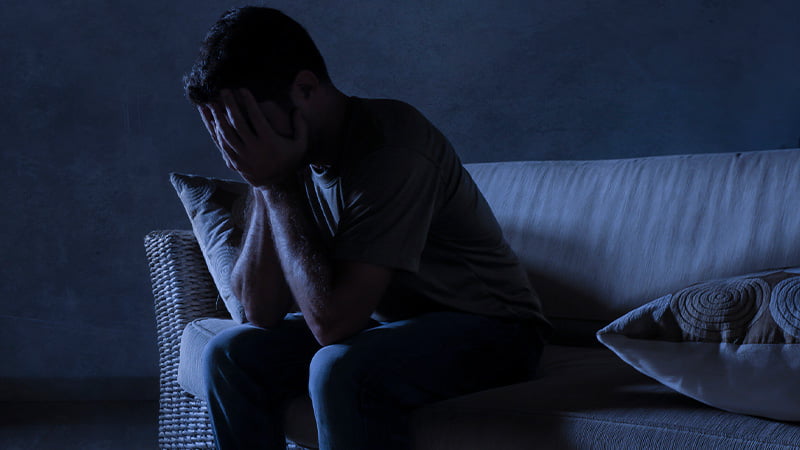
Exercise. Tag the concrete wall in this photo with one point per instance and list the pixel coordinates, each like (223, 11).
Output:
(93, 119)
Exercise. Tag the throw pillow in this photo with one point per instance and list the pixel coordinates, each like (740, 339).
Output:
(733, 343)
(216, 209)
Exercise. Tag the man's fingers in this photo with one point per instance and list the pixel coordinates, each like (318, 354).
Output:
(229, 156)
(235, 117)
(260, 124)
(208, 121)
(229, 153)
(248, 142)
(225, 132)
(211, 126)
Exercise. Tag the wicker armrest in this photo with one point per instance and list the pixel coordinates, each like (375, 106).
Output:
(183, 291)
(182, 286)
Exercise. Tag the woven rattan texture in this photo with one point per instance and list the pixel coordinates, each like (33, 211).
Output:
(183, 291)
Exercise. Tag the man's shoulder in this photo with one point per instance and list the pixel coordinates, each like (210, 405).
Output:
(388, 104)
(389, 162)
(391, 112)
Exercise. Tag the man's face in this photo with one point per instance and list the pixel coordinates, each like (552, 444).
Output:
(279, 119)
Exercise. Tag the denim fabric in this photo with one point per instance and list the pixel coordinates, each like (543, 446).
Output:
(363, 389)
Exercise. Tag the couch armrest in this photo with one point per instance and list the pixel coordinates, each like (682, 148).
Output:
(183, 291)
(182, 286)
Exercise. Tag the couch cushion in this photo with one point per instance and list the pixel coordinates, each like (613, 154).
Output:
(298, 416)
(732, 343)
(193, 340)
(589, 398)
(582, 398)
(600, 238)
(216, 209)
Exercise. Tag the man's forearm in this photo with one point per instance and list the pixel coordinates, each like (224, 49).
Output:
(257, 277)
(306, 265)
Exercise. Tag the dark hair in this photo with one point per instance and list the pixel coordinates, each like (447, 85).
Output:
(259, 48)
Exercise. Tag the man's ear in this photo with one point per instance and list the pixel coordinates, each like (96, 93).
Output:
(305, 83)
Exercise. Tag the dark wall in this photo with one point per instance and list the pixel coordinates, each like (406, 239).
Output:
(93, 119)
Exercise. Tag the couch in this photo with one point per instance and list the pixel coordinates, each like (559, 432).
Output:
(599, 239)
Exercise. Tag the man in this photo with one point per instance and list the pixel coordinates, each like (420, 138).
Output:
(363, 215)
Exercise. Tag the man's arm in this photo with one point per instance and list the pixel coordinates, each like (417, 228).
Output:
(336, 300)
(257, 278)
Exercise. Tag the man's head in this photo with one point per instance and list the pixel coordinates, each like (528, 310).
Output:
(258, 48)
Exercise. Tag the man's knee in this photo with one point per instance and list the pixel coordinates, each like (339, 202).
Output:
(327, 362)
(334, 368)
(226, 349)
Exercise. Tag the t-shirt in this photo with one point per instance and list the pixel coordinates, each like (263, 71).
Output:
(399, 197)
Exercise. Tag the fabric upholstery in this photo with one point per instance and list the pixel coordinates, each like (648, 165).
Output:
(732, 343)
(588, 398)
(216, 209)
(299, 416)
(581, 397)
(193, 340)
(600, 238)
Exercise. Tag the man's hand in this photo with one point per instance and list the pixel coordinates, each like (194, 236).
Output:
(247, 141)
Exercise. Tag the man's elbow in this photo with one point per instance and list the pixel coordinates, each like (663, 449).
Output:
(262, 315)
(325, 335)
(325, 339)
(261, 322)
(328, 334)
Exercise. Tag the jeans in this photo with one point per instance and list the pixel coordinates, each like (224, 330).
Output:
(364, 388)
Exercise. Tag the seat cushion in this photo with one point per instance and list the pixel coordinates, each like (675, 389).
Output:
(581, 398)
(193, 340)
(589, 398)
(298, 416)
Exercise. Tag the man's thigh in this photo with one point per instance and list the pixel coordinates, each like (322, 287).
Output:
(436, 356)
(276, 358)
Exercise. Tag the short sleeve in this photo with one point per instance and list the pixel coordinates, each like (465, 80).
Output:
(389, 202)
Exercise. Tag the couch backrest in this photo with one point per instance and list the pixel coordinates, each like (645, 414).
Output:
(599, 238)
